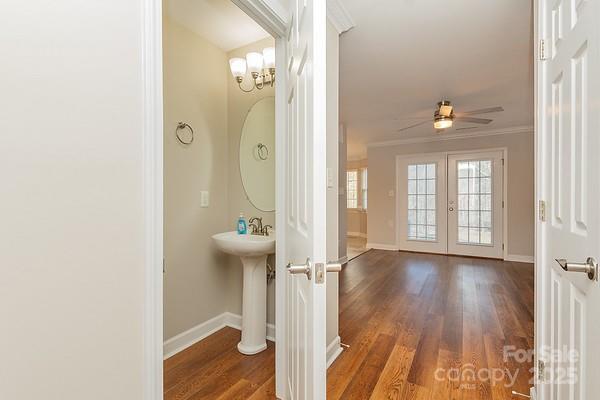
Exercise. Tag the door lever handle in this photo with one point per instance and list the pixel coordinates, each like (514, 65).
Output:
(305, 268)
(589, 267)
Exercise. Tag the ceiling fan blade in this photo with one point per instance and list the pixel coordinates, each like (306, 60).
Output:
(415, 125)
(482, 111)
(474, 120)
(464, 129)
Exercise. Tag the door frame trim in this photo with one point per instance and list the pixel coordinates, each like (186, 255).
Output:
(273, 18)
(503, 150)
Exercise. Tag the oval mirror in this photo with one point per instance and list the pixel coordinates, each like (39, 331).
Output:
(257, 154)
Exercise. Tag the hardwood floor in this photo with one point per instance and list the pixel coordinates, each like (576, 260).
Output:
(419, 326)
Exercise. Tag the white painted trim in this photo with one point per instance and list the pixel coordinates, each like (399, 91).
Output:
(382, 246)
(356, 234)
(339, 16)
(152, 142)
(519, 258)
(270, 15)
(201, 331)
(334, 349)
(454, 136)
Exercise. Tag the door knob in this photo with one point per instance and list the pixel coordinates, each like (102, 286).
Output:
(589, 267)
(322, 268)
(305, 268)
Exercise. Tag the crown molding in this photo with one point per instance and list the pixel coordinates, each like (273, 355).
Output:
(466, 135)
(269, 14)
(339, 16)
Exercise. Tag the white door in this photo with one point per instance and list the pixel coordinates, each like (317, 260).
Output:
(422, 203)
(305, 229)
(475, 212)
(568, 144)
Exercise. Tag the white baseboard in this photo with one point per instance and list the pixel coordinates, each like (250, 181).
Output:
(201, 331)
(519, 258)
(357, 234)
(382, 246)
(334, 349)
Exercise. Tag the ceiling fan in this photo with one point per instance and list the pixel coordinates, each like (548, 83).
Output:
(444, 117)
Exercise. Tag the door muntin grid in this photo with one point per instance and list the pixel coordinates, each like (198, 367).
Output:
(475, 202)
(422, 192)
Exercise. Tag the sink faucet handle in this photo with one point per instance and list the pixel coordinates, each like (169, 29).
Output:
(265, 229)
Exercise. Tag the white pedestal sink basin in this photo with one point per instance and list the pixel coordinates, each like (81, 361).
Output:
(253, 251)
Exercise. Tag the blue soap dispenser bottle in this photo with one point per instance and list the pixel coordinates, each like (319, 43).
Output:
(241, 225)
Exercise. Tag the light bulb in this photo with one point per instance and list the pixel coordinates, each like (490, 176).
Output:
(269, 57)
(255, 62)
(238, 67)
(442, 123)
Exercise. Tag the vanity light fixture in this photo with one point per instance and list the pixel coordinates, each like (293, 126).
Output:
(260, 66)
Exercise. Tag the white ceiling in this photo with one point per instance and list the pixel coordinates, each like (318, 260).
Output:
(219, 21)
(404, 56)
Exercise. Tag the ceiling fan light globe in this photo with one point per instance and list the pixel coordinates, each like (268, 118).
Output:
(442, 123)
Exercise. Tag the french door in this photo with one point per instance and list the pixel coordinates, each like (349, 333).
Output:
(475, 182)
(451, 203)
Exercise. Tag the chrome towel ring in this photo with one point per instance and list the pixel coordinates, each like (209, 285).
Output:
(263, 151)
(180, 126)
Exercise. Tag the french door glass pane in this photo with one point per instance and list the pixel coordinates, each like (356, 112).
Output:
(475, 202)
(422, 202)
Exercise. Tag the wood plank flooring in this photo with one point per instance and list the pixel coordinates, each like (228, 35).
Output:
(419, 326)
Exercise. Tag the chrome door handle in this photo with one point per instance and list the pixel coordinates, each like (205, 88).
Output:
(322, 268)
(451, 209)
(590, 267)
(305, 268)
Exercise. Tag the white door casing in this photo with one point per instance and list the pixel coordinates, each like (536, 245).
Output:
(568, 178)
(305, 223)
(475, 204)
(421, 203)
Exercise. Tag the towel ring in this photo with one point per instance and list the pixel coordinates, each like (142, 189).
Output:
(263, 151)
(180, 126)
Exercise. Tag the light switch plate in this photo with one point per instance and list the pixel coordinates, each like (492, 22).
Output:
(391, 193)
(204, 198)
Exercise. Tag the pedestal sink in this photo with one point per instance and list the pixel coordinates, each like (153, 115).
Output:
(253, 251)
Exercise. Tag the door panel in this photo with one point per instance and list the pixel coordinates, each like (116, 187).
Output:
(569, 182)
(422, 203)
(475, 205)
(305, 228)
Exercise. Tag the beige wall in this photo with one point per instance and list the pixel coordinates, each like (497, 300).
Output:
(520, 207)
(342, 214)
(72, 228)
(238, 104)
(196, 282)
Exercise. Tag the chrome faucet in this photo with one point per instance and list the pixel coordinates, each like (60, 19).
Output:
(258, 228)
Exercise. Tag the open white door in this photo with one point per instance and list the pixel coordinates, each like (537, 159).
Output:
(305, 226)
(568, 144)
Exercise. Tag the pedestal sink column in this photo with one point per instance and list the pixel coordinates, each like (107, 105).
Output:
(254, 305)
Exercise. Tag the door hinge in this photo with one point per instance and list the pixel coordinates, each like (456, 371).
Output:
(164, 266)
(541, 371)
(502, 246)
(542, 210)
(543, 50)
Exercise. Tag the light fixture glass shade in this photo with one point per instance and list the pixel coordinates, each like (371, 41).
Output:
(442, 123)
(255, 62)
(238, 67)
(269, 57)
